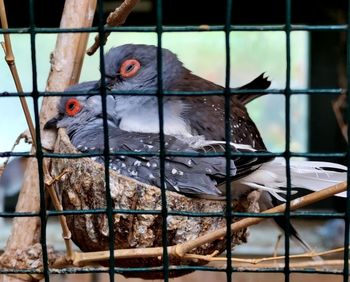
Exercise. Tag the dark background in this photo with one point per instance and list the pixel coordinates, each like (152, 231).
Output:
(185, 12)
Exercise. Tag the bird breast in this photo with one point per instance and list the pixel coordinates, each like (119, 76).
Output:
(146, 120)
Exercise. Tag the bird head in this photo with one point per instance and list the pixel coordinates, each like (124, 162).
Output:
(134, 67)
(77, 113)
(128, 67)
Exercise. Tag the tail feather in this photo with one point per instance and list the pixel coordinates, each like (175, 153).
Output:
(267, 202)
(260, 82)
(296, 237)
(314, 176)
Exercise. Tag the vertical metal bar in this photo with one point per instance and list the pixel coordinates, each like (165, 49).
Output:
(106, 155)
(287, 137)
(39, 152)
(162, 153)
(228, 214)
(347, 212)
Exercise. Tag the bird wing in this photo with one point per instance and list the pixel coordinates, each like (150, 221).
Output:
(206, 114)
(194, 176)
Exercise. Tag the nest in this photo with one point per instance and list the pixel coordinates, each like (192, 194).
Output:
(83, 188)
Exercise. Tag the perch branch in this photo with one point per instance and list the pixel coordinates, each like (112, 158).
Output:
(211, 258)
(115, 18)
(318, 265)
(181, 250)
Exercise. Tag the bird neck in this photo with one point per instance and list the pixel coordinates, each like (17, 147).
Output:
(146, 119)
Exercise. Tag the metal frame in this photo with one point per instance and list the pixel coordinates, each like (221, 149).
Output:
(228, 214)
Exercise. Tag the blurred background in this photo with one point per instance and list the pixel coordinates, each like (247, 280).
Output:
(252, 53)
(318, 60)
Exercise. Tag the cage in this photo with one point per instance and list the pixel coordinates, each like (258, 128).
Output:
(324, 41)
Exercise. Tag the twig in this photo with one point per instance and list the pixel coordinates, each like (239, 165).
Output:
(116, 18)
(66, 234)
(293, 265)
(27, 138)
(266, 259)
(10, 59)
(182, 250)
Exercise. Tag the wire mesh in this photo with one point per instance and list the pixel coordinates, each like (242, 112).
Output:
(288, 27)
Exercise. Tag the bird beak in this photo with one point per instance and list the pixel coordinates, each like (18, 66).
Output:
(52, 123)
(112, 81)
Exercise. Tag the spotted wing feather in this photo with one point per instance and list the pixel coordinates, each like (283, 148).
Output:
(187, 175)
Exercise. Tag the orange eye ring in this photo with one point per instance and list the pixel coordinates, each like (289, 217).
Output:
(73, 107)
(129, 68)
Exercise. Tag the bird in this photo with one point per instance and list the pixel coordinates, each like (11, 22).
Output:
(191, 124)
(202, 177)
(133, 67)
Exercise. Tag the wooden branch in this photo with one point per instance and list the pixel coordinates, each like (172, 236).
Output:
(10, 59)
(317, 265)
(256, 261)
(181, 250)
(65, 70)
(116, 18)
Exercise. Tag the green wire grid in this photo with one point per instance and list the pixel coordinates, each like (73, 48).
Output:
(288, 27)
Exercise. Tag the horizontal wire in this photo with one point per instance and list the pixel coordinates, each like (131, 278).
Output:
(175, 154)
(323, 91)
(203, 28)
(297, 214)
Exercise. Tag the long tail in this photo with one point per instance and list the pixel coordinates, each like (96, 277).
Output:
(260, 82)
(267, 202)
(314, 176)
(296, 237)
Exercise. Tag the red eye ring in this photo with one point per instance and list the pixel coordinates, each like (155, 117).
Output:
(72, 107)
(129, 68)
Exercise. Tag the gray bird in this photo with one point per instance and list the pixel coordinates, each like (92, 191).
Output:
(134, 67)
(200, 177)
(189, 124)
(82, 118)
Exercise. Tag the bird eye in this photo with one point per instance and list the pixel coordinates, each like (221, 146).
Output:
(129, 68)
(73, 107)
